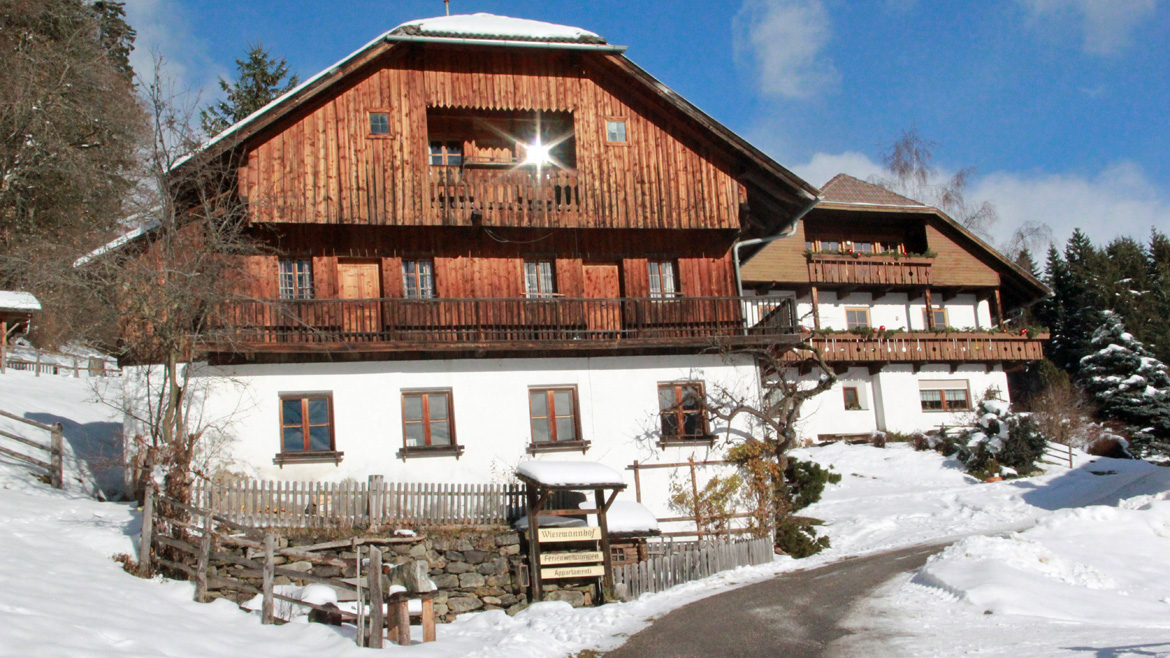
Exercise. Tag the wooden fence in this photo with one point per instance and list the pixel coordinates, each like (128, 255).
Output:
(1058, 454)
(55, 363)
(691, 561)
(267, 503)
(52, 452)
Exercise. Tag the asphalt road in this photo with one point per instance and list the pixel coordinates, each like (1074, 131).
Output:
(793, 615)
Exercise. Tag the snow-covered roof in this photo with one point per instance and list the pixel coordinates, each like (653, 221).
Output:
(118, 242)
(490, 26)
(12, 300)
(571, 474)
(626, 517)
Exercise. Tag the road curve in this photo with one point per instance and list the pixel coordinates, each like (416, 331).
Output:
(793, 615)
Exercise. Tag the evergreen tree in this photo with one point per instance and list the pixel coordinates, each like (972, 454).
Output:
(115, 34)
(1158, 259)
(259, 82)
(1129, 385)
(1081, 300)
(1024, 260)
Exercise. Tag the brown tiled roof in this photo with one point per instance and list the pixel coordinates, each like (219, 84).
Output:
(849, 190)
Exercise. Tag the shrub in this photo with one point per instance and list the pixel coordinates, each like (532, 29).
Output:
(806, 482)
(1000, 439)
(797, 536)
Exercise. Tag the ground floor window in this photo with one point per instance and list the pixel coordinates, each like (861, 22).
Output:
(306, 423)
(680, 410)
(427, 420)
(553, 415)
(852, 398)
(945, 395)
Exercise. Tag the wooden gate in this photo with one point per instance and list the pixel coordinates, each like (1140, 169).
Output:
(363, 281)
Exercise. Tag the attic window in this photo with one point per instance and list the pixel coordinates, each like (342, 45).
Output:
(379, 123)
(615, 130)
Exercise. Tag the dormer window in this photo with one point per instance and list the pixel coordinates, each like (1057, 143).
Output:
(379, 123)
(615, 131)
(446, 154)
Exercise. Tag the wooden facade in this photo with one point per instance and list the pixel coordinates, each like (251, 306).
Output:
(918, 348)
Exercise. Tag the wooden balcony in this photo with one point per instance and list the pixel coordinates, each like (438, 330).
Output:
(498, 325)
(511, 196)
(869, 270)
(921, 348)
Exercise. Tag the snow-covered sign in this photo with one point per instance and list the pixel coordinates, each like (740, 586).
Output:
(12, 300)
(564, 475)
(496, 27)
(549, 521)
(627, 517)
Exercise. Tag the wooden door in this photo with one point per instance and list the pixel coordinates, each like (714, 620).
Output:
(603, 282)
(362, 282)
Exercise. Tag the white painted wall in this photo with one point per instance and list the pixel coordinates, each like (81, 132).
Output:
(895, 310)
(618, 405)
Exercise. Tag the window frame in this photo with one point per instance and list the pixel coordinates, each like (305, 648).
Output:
(625, 131)
(406, 277)
(550, 418)
(297, 290)
(552, 278)
(936, 309)
(370, 123)
(446, 151)
(942, 391)
(660, 267)
(427, 449)
(284, 456)
(855, 309)
(856, 404)
(705, 436)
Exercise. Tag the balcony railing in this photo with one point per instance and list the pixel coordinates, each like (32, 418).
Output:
(519, 196)
(536, 323)
(867, 269)
(975, 347)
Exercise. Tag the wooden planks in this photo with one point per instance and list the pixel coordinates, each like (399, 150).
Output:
(928, 348)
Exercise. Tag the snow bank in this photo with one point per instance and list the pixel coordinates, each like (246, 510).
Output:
(571, 474)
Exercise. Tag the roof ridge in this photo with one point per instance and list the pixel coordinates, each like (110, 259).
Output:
(846, 189)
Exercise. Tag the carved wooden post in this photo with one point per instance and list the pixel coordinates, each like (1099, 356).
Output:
(56, 453)
(266, 615)
(377, 600)
(144, 541)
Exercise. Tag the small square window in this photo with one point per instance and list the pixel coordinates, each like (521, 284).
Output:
(379, 123)
(615, 131)
(680, 411)
(418, 279)
(427, 420)
(940, 318)
(553, 414)
(306, 423)
(663, 278)
(538, 279)
(856, 318)
(852, 398)
(296, 279)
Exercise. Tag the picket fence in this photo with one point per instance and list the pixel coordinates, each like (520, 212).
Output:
(283, 504)
(691, 561)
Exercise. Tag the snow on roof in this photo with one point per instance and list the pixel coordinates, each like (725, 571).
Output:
(490, 26)
(118, 242)
(570, 474)
(550, 521)
(11, 300)
(626, 517)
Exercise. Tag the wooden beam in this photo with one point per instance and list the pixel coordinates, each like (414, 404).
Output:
(815, 308)
(929, 310)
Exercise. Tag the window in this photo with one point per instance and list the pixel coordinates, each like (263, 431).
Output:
(553, 412)
(418, 279)
(856, 318)
(538, 279)
(940, 317)
(306, 423)
(680, 409)
(945, 395)
(449, 154)
(615, 130)
(427, 420)
(852, 398)
(379, 123)
(296, 279)
(663, 274)
(863, 247)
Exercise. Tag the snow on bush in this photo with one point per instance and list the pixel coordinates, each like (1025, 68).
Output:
(1000, 442)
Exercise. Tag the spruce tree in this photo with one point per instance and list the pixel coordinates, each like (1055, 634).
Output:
(259, 82)
(1081, 298)
(1129, 385)
(1158, 252)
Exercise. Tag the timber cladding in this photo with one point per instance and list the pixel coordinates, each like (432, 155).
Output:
(321, 165)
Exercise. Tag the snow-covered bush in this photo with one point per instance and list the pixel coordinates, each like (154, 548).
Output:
(1000, 442)
(1129, 385)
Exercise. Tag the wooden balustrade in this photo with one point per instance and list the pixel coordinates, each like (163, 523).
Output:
(977, 347)
(520, 196)
(862, 269)
(425, 324)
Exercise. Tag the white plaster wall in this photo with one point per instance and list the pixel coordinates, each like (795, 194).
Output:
(826, 413)
(895, 310)
(617, 397)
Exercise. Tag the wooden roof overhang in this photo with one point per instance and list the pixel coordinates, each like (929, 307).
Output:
(775, 195)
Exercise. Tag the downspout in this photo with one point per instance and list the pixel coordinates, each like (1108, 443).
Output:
(754, 241)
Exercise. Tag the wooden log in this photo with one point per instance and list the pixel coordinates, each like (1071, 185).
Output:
(56, 452)
(428, 619)
(205, 548)
(32, 460)
(190, 571)
(144, 540)
(377, 599)
(177, 544)
(269, 576)
(398, 622)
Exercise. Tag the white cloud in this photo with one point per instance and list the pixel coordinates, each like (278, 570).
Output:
(1107, 25)
(824, 166)
(1120, 200)
(785, 39)
(163, 29)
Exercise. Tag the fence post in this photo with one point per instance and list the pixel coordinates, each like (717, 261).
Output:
(56, 447)
(76, 372)
(205, 548)
(377, 600)
(146, 538)
(269, 576)
(3, 357)
(695, 493)
(374, 500)
(37, 367)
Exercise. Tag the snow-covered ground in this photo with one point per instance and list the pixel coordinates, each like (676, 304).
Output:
(1071, 563)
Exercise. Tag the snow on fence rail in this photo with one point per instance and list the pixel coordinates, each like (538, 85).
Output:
(55, 363)
(54, 449)
(268, 503)
(693, 562)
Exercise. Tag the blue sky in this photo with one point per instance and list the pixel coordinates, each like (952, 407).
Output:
(1060, 105)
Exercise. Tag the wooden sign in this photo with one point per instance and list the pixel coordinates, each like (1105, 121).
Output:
(591, 533)
(570, 558)
(573, 572)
